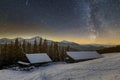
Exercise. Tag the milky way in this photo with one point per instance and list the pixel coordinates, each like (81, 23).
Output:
(81, 21)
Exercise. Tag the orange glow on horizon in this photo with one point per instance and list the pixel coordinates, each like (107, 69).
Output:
(81, 41)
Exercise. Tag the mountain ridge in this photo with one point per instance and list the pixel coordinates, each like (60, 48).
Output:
(76, 46)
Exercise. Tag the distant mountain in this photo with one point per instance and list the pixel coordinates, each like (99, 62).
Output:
(5, 40)
(64, 43)
(81, 47)
(31, 40)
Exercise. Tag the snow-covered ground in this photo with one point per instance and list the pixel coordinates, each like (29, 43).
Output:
(107, 68)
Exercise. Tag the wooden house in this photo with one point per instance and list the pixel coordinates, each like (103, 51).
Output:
(82, 56)
(35, 59)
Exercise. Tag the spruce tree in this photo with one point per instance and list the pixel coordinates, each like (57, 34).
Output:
(45, 47)
(68, 48)
(40, 45)
(29, 48)
(5, 54)
(35, 50)
(24, 46)
(56, 51)
(11, 52)
(18, 53)
(51, 51)
(63, 53)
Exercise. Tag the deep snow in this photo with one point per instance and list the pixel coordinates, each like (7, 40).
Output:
(107, 68)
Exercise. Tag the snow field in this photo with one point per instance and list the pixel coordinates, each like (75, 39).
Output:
(106, 68)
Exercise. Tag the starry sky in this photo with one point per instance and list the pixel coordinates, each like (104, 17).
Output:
(80, 21)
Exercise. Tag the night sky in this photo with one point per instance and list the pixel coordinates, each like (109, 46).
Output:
(80, 21)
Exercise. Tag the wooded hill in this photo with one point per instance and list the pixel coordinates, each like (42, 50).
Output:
(110, 49)
(13, 52)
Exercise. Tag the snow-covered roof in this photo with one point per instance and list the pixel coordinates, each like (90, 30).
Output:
(23, 63)
(38, 58)
(83, 55)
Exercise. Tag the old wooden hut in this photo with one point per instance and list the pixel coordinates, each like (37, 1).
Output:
(82, 56)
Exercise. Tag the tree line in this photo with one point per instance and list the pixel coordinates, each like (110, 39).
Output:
(13, 52)
(109, 50)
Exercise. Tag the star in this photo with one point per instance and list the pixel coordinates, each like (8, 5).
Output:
(27, 2)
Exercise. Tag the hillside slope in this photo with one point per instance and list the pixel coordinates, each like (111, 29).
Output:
(107, 68)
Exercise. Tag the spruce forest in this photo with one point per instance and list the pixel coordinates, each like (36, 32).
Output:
(15, 51)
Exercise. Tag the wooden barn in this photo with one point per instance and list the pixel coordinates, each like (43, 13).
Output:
(35, 59)
(82, 56)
